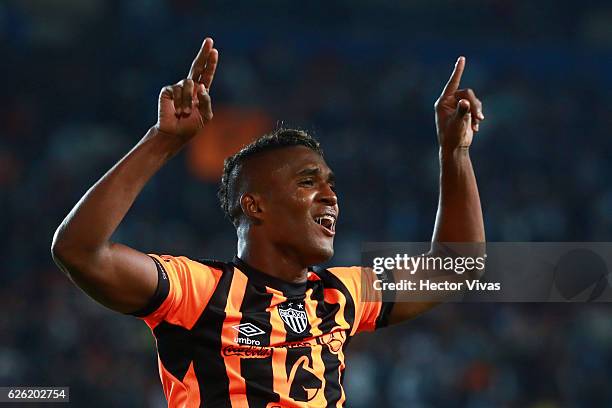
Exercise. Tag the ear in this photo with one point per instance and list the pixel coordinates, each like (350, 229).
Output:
(251, 205)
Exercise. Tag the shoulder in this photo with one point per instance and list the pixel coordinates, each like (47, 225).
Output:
(348, 275)
(188, 265)
(190, 285)
(363, 306)
(346, 279)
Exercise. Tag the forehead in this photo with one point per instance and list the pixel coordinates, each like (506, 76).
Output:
(287, 162)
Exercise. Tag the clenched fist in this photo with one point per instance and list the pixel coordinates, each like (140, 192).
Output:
(185, 107)
(458, 112)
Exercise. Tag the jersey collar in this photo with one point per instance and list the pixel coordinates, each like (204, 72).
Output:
(288, 288)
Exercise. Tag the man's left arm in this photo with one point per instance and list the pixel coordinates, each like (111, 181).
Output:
(459, 215)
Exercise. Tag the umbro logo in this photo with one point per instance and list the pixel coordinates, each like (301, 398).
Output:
(248, 329)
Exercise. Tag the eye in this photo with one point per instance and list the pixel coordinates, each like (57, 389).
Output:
(307, 182)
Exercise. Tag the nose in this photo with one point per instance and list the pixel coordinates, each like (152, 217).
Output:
(328, 196)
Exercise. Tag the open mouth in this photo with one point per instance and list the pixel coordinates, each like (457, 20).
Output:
(327, 223)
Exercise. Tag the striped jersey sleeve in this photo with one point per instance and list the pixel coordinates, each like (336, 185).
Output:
(184, 289)
(371, 312)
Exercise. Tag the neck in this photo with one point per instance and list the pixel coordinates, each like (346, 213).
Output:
(271, 260)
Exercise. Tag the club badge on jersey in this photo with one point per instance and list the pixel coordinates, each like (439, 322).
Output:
(294, 316)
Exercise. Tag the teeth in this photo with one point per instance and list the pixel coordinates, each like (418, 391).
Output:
(331, 219)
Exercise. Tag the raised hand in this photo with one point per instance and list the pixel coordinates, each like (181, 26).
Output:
(185, 107)
(458, 112)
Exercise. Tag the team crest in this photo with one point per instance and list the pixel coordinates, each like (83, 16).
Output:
(294, 316)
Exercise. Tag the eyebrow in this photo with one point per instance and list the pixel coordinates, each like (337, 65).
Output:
(315, 171)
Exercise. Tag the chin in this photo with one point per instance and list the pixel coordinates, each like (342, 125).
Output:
(320, 255)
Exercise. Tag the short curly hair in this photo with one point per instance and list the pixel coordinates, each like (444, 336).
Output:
(233, 165)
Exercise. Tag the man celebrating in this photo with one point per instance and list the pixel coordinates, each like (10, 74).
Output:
(266, 329)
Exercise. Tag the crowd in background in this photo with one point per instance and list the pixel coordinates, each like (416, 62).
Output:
(81, 80)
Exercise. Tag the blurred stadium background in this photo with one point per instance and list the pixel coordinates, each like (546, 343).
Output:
(81, 79)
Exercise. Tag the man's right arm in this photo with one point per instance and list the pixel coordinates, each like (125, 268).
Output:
(115, 275)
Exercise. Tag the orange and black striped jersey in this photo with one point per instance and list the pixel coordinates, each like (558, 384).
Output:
(230, 336)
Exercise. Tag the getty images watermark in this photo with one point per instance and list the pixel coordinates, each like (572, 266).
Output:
(491, 272)
(451, 268)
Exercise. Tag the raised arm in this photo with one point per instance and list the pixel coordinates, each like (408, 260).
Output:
(459, 216)
(115, 275)
(458, 116)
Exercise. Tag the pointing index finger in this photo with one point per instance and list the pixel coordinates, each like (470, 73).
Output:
(199, 63)
(453, 83)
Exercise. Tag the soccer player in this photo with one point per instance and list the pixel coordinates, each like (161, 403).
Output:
(266, 329)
